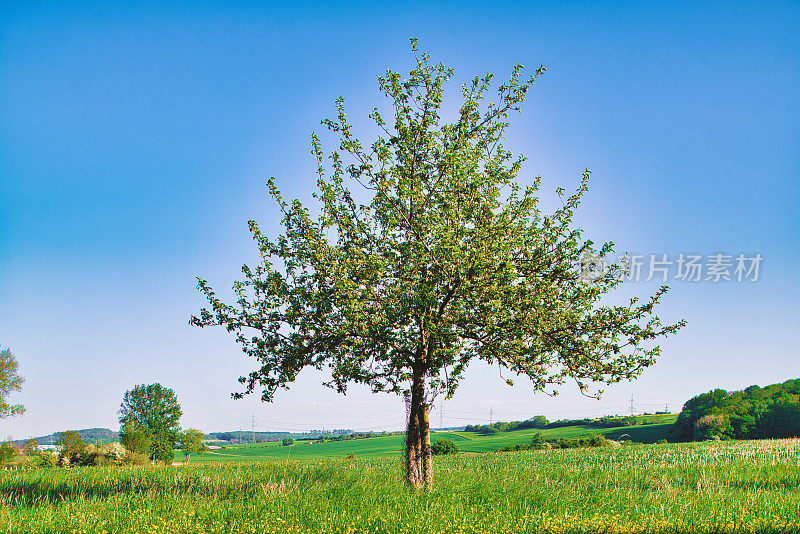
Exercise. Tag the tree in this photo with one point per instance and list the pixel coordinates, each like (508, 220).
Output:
(538, 421)
(448, 259)
(192, 441)
(149, 417)
(72, 446)
(287, 442)
(7, 452)
(9, 381)
(31, 448)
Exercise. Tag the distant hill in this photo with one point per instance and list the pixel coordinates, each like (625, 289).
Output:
(246, 436)
(89, 435)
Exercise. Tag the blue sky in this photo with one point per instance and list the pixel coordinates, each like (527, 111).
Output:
(136, 143)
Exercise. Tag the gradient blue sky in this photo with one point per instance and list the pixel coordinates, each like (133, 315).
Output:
(136, 142)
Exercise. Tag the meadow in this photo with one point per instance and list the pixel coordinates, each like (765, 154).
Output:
(710, 487)
(652, 429)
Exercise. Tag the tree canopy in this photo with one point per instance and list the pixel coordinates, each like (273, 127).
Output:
(149, 420)
(191, 441)
(9, 381)
(449, 259)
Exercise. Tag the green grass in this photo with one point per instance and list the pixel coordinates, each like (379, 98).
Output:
(656, 428)
(698, 487)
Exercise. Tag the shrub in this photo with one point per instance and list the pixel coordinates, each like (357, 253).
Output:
(7, 452)
(444, 446)
(541, 443)
(47, 459)
(287, 441)
(114, 452)
(31, 448)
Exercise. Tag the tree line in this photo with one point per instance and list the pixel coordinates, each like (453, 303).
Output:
(752, 413)
(540, 421)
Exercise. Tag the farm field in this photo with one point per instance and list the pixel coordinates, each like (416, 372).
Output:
(466, 441)
(711, 487)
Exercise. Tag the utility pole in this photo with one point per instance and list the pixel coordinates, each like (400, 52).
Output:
(491, 414)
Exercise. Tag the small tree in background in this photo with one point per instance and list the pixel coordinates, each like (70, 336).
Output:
(72, 446)
(287, 441)
(149, 420)
(192, 442)
(7, 452)
(538, 421)
(31, 448)
(449, 260)
(9, 381)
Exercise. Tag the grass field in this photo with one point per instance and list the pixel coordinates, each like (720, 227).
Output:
(699, 487)
(657, 428)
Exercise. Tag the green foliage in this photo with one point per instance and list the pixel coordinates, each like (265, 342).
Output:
(7, 452)
(9, 381)
(149, 419)
(540, 442)
(72, 447)
(755, 412)
(136, 438)
(438, 255)
(74, 452)
(47, 459)
(444, 446)
(541, 422)
(538, 421)
(287, 441)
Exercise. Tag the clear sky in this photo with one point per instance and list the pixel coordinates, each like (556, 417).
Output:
(136, 142)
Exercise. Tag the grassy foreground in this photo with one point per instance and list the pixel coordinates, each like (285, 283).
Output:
(709, 487)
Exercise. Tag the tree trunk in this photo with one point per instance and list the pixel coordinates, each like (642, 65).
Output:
(419, 468)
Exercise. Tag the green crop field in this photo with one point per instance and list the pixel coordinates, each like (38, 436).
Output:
(711, 487)
(656, 428)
